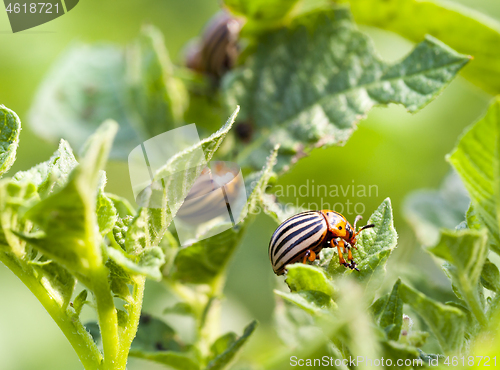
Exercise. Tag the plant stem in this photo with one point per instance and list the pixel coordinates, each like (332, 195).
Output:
(473, 302)
(134, 314)
(108, 320)
(209, 320)
(72, 328)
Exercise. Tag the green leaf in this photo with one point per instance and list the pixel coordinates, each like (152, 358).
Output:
(374, 247)
(134, 86)
(223, 360)
(147, 262)
(490, 276)
(462, 28)
(312, 301)
(301, 277)
(52, 175)
(391, 317)
(155, 335)
(203, 261)
(466, 251)
(377, 307)
(80, 301)
(58, 282)
(122, 205)
(292, 321)
(180, 308)
(157, 96)
(221, 344)
(399, 352)
(10, 128)
(175, 360)
(476, 159)
(428, 211)
(67, 219)
(86, 86)
(261, 10)
(13, 199)
(206, 259)
(106, 211)
(306, 88)
(177, 177)
(446, 323)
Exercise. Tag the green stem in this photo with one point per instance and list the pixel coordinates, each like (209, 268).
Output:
(108, 320)
(209, 320)
(134, 314)
(72, 328)
(473, 302)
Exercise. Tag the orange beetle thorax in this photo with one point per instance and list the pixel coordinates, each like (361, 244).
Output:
(338, 226)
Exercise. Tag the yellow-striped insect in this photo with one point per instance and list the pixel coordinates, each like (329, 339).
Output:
(303, 236)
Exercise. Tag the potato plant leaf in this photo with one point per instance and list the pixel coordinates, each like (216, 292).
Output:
(91, 83)
(10, 128)
(85, 87)
(155, 94)
(155, 335)
(204, 260)
(68, 217)
(476, 159)
(13, 198)
(462, 28)
(146, 262)
(106, 211)
(466, 252)
(223, 360)
(311, 301)
(58, 282)
(446, 323)
(391, 316)
(374, 247)
(397, 351)
(177, 177)
(51, 175)
(174, 360)
(306, 88)
(261, 9)
(490, 276)
(302, 277)
(428, 211)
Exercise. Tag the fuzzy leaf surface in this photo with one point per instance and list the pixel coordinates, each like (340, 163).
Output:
(223, 360)
(428, 211)
(446, 323)
(374, 247)
(476, 158)
(10, 128)
(466, 252)
(204, 260)
(68, 217)
(308, 87)
(464, 29)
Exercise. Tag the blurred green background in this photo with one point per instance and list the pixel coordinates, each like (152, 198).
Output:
(396, 151)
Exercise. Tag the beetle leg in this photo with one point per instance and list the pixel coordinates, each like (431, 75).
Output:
(352, 264)
(310, 255)
(340, 245)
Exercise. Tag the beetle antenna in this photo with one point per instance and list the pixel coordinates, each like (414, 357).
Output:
(358, 217)
(367, 227)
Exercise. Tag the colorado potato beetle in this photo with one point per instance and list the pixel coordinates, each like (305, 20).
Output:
(217, 51)
(303, 236)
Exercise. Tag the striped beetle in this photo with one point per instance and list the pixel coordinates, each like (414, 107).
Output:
(217, 51)
(303, 236)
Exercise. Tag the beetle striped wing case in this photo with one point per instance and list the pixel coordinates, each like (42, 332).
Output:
(294, 237)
